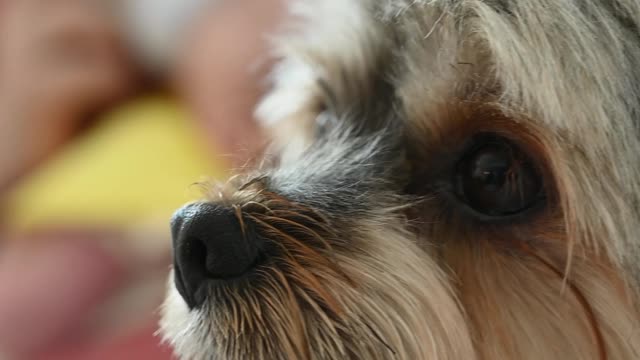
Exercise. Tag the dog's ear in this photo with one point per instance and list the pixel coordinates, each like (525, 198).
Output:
(289, 110)
(311, 78)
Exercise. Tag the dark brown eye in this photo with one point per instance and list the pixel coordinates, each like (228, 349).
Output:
(497, 179)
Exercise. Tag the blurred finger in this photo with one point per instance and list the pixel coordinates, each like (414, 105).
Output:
(74, 35)
(221, 77)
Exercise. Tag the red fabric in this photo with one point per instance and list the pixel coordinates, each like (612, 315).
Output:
(141, 345)
(46, 291)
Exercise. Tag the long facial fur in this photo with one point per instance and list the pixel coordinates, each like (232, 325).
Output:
(371, 270)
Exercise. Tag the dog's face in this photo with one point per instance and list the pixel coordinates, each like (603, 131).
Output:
(456, 180)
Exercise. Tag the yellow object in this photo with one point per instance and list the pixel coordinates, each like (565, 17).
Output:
(137, 164)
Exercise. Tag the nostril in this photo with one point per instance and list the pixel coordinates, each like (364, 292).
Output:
(210, 242)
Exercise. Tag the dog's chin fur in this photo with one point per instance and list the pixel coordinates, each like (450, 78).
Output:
(372, 99)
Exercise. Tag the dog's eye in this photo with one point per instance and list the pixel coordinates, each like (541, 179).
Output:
(497, 179)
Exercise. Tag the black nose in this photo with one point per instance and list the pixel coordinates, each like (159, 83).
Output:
(210, 242)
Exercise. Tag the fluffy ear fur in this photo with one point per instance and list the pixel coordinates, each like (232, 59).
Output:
(373, 103)
(309, 64)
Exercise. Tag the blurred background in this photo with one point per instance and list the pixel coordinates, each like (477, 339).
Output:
(110, 111)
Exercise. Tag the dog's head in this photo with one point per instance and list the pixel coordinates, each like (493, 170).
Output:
(455, 180)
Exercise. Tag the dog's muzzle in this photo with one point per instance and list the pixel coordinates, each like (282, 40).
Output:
(211, 243)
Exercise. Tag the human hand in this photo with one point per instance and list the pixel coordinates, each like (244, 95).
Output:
(59, 60)
(222, 68)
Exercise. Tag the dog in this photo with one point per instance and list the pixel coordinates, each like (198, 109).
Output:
(451, 179)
